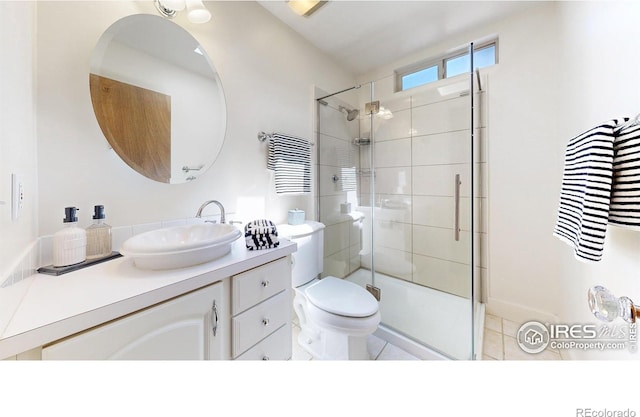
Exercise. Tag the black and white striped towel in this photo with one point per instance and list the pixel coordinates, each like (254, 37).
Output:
(261, 234)
(290, 159)
(624, 209)
(600, 185)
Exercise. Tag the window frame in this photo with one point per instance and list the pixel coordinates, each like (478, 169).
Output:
(441, 63)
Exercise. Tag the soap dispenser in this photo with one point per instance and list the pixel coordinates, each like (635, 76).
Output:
(98, 235)
(70, 243)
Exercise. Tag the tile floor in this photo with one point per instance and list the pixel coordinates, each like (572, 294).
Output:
(379, 349)
(500, 343)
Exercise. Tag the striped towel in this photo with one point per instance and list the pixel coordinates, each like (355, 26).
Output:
(290, 158)
(261, 234)
(624, 210)
(600, 185)
(348, 179)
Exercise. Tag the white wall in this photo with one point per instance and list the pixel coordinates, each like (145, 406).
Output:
(17, 143)
(600, 81)
(268, 74)
(563, 69)
(525, 168)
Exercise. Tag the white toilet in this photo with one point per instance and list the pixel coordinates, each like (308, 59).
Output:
(336, 315)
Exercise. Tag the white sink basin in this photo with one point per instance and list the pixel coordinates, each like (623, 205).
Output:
(180, 246)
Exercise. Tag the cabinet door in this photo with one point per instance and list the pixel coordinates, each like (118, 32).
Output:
(181, 328)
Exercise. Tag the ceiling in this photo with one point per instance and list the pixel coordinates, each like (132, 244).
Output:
(363, 35)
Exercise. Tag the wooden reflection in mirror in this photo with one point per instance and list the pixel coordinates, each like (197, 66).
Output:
(137, 123)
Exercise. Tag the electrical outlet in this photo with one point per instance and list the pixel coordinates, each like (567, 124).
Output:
(17, 195)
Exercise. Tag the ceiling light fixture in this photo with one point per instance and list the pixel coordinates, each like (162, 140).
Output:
(196, 12)
(305, 7)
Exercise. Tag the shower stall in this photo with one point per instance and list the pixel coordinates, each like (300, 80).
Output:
(401, 190)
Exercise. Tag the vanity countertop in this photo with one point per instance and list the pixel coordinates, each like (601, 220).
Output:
(54, 307)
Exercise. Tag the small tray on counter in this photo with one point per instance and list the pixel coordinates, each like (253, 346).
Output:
(59, 270)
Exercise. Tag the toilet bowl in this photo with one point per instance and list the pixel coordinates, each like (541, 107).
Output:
(336, 316)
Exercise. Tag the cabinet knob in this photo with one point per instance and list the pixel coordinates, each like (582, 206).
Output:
(265, 358)
(265, 283)
(265, 322)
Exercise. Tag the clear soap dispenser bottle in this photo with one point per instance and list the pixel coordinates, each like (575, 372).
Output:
(98, 235)
(70, 243)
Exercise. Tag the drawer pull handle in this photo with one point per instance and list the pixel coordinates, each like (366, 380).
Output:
(265, 322)
(265, 283)
(214, 318)
(265, 358)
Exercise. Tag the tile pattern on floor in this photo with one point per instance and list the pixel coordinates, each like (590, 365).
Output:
(499, 342)
(379, 349)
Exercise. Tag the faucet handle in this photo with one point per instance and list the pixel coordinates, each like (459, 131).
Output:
(607, 307)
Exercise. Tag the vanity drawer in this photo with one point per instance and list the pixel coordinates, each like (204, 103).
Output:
(251, 287)
(257, 323)
(274, 347)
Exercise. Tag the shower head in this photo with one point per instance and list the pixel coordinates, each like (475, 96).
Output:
(351, 114)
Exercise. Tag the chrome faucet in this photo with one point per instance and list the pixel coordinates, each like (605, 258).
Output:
(217, 203)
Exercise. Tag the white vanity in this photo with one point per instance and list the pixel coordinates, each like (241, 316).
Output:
(235, 307)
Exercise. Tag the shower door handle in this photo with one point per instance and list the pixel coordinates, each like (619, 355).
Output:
(456, 208)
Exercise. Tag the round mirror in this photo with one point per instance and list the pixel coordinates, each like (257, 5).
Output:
(157, 98)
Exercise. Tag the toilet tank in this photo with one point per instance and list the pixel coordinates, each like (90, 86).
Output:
(309, 257)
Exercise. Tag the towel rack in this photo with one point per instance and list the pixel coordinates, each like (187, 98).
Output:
(263, 137)
(631, 122)
(187, 168)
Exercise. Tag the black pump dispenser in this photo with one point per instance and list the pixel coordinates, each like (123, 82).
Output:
(98, 212)
(70, 215)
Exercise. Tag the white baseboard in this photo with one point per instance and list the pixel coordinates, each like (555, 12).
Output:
(518, 313)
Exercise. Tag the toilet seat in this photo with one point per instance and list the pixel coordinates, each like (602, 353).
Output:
(353, 326)
(343, 298)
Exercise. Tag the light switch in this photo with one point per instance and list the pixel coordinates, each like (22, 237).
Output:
(17, 195)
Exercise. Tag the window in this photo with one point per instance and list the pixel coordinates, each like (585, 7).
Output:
(420, 77)
(446, 66)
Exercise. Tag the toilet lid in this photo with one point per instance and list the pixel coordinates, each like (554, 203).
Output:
(341, 297)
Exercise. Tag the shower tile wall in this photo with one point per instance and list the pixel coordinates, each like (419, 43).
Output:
(338, 157)
(418, 152)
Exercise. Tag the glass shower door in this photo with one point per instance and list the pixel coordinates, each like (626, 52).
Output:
(397, 196)
(339, 169)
